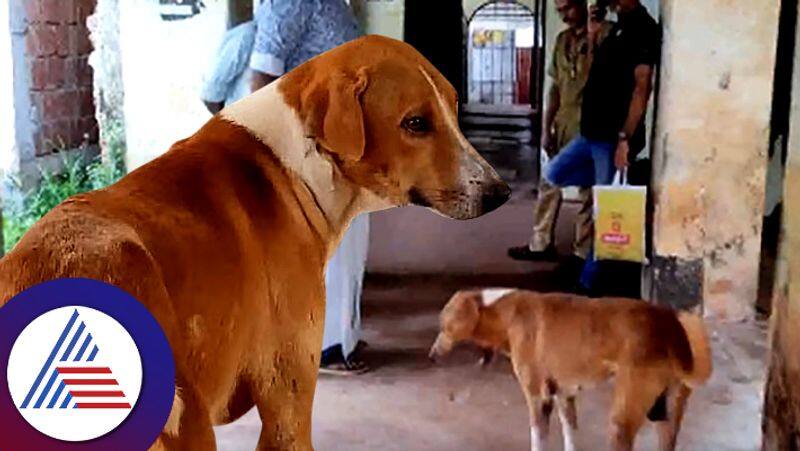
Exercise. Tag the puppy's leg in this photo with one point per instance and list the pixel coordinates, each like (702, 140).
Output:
(540, 410)
(635, 393)
(568, 416)
(540, 407)
(668, 430)
(284, 398)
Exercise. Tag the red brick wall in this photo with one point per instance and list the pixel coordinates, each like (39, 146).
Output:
(57, 52)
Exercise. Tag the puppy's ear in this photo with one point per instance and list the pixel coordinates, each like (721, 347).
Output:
(466, 305)
(335, 116)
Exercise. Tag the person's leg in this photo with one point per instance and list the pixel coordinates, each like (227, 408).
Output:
(573, 166)
(358, 245)
(343, 279)
(545, 215)
(603, 158)
(584, 224)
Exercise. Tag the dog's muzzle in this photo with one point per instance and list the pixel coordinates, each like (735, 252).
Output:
(494, 196)
(440, 347)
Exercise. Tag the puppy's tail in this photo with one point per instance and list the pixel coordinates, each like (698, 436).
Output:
(701, 365)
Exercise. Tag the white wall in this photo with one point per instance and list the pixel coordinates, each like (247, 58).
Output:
(384, 17)
(162, 68)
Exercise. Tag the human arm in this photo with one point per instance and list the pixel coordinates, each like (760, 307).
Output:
(213, 107)
(280, 28)
(643, 75)
(230, 62)
(259, 79)
(551, 108)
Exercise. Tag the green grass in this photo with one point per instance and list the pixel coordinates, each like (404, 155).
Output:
(77, 176)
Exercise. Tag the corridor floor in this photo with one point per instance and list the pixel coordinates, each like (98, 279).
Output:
(407, 403)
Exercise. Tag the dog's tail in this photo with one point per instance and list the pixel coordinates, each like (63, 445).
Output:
(172, 426)
(701, 364)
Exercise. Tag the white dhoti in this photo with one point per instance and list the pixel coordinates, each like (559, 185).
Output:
(344, 276)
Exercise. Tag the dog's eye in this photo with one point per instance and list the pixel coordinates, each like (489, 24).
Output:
(416, 124)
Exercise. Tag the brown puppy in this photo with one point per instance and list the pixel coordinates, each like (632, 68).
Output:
(225, 237)
(561, 342)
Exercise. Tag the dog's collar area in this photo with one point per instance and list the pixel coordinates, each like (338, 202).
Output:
(271, 120)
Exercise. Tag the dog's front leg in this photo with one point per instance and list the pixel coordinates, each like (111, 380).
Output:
(285, 401)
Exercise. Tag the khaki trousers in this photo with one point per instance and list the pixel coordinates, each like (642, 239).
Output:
(548, 206)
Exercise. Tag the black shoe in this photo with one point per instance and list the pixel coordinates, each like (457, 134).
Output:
(524, 253)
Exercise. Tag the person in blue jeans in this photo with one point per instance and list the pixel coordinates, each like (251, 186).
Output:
(614, 105)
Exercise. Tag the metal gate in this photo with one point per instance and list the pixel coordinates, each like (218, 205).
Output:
(504, 51)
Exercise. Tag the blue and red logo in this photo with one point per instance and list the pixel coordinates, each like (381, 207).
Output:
(87, 368)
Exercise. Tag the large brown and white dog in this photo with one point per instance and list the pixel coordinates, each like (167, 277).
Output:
(225, 237)
(559, 343)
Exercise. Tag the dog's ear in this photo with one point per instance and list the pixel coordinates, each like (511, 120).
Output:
(335, 115)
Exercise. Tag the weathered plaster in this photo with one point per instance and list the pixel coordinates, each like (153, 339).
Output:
(712, 137)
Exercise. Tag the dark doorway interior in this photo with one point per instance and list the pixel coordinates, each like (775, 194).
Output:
(436, 29)
(779, 137)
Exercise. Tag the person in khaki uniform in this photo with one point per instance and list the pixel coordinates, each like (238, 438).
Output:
(569, 70)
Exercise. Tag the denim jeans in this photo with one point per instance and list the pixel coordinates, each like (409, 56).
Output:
(584, 163)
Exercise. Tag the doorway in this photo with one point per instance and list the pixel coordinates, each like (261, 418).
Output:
(436, 29)
(778, 150)
(504, 65)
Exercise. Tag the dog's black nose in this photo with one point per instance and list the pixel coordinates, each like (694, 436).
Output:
(495, 196)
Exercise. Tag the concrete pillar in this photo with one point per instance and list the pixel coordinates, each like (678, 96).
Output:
(710, 153)
(781, 421)
(7, 125)
(24, 121)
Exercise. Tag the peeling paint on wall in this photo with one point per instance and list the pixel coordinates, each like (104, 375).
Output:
(712, 141)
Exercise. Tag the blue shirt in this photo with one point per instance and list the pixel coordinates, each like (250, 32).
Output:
(290, 32)
(228, 79)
